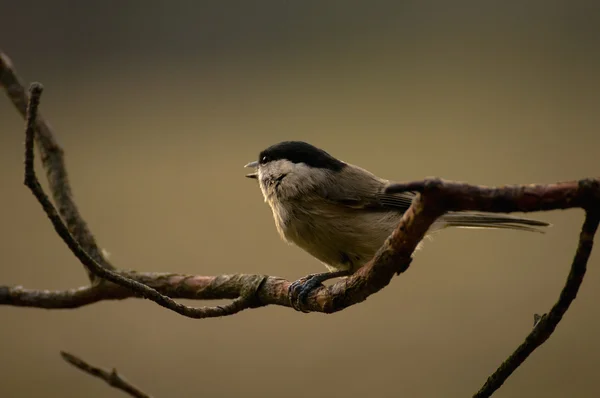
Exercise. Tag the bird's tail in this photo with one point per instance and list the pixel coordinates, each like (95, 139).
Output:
(468, 219)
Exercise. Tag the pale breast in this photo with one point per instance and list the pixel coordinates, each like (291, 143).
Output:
(340, 238)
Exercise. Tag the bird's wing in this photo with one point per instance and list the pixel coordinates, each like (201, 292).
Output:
(399, 201)
(368, 194)
(373, 200)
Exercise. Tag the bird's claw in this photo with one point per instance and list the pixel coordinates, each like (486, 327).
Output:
(300, 289)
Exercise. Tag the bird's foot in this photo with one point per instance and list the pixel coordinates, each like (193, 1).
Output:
(299, 290)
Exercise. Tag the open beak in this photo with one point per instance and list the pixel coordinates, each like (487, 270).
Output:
(253, 165)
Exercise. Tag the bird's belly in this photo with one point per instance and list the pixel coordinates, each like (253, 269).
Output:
(346, 241)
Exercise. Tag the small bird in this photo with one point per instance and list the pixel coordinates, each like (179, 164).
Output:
(340, 213)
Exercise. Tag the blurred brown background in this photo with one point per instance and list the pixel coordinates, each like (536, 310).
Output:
(159, 105)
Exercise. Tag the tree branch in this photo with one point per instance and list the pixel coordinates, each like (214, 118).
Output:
(435, 198)
(272, 290)
(459, 196)
(53, 162)
(112, 378)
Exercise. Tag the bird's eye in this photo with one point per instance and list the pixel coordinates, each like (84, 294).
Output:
(265, 159)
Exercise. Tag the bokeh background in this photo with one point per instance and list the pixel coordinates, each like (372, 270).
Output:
(159, 105)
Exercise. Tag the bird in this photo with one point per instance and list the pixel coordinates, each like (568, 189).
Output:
(341, 213)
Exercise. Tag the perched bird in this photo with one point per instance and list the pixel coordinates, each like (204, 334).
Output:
(340, 213)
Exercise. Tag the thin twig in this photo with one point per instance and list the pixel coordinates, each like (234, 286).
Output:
(547, 323)
(112, 378)
(53, 162)
(31, 181)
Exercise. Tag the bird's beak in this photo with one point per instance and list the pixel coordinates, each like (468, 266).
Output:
(253, 165)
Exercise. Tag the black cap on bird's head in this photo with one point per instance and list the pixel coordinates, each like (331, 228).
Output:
(297, 152)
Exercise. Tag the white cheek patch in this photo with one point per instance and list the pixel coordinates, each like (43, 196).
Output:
(261, 184)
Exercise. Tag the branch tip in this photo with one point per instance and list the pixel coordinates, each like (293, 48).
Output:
(112, 378)
(52, 160)
(546, 324)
